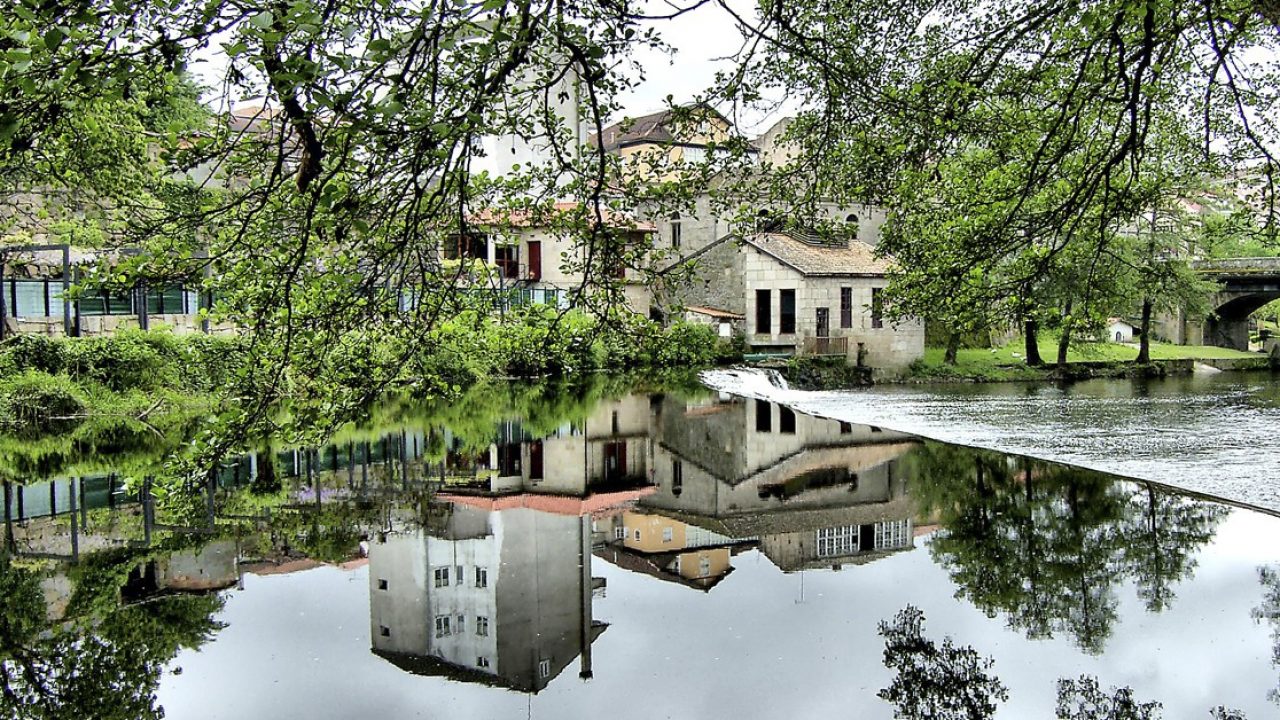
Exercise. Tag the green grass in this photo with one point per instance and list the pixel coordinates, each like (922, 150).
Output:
(1008, 363)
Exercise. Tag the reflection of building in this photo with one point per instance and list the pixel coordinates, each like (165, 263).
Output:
(501, 597)
(812, 491)
(608, 451)
(668, 549)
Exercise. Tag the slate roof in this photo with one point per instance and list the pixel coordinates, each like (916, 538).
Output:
(821, 260)
(651, 128)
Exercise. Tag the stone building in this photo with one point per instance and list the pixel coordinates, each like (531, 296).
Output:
(799, 294)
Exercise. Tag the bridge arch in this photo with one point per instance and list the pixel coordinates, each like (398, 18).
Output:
(1228, 325)
(1245, 285)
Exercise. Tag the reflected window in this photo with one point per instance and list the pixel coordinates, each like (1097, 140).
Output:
(482, 626)
(482, 577)
(444, 626)
(846, 307)
(677, 477)
(442, 577)
(841, 540)
(544, 668)
(462, 624)
(786, 421)
(637, 536)
(668, 534)
(535, 460)
(704, 566)
(764, 417)
(458, 576)
(384, 631)
(382, 584)
(619, 533)
(482, 661)
(892, 534)
(845, 428)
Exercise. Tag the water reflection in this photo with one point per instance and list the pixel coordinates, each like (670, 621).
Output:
(1046, 546)
(487, 528)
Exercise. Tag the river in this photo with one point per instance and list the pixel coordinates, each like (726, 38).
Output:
(566, 551)
(1217, 434)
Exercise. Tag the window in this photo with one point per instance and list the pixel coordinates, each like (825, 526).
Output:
(764, 416)
(877, 308)
(482, 661)
(787, 312)
(786, 421)
(846, 307)
(384, 631)
(462, 624)
(442, 577)
(458, 576)
(507, 258)
(694, 154)
(482, 577)
(482, 626)
(469, 245)
(382, 584)
(443, 628)
(675, 231)
(544, 668)
(668, 534)
(764, 310)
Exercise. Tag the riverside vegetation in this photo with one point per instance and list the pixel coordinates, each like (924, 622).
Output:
(66, 402)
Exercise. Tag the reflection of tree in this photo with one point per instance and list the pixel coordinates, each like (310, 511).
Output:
(1269, 611)
(947, 682)
(105, 665)
(1046, 544)
(1083, 699)
(936, 682)
(1162, 531)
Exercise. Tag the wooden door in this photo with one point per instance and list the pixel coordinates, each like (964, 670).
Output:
(535, 259)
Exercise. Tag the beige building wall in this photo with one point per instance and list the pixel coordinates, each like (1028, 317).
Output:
(892, 346)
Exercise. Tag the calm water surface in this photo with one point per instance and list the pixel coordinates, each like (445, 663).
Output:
(567, 552)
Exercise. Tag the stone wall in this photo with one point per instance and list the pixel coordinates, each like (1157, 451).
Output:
(98, 325)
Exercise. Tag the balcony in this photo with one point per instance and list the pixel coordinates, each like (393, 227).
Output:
(825, 346)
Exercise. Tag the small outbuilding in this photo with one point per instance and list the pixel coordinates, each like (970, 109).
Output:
(1120, 330)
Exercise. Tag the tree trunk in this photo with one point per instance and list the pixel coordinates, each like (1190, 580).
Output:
(1064, 342)
(1144, 342)
(1032, 331)
(3, 309)
(953, 347)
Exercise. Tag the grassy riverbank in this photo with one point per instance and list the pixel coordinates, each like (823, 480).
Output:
(1009, 364)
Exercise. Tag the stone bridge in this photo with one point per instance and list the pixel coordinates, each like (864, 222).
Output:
(1246, 284)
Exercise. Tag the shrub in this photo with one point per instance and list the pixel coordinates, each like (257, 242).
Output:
(34, 402)
(33, 352)
(129, 360)
(686, 345)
